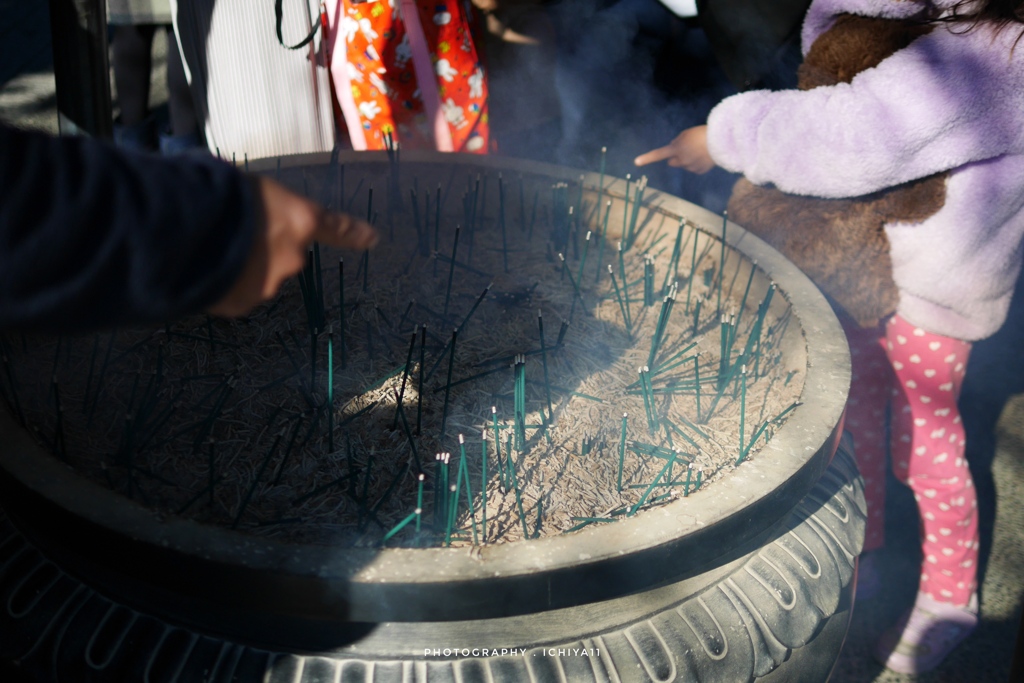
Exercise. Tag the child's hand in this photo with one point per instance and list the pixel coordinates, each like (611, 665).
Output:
(688, 150)
(290, 225)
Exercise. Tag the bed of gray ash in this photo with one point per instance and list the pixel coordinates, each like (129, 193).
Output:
(231, 423)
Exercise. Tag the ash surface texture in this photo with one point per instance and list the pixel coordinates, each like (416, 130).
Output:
(235, 423)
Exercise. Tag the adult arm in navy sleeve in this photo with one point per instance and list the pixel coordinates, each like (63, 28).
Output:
(91, 236)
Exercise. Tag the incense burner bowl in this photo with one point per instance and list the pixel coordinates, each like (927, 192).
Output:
(752, 581)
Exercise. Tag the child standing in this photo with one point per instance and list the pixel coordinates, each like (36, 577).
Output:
(953, 100)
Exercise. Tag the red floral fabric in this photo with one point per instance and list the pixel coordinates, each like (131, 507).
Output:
(383, 79)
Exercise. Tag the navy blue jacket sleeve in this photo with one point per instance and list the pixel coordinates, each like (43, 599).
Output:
(91, 236)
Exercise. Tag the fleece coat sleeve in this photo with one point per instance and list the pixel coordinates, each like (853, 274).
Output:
(91, 236)
(949, 99)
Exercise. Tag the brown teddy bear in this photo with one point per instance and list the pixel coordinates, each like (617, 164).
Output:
(841, 243)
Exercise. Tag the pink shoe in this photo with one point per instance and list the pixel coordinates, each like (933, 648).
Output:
(926, 634)
(869, 580)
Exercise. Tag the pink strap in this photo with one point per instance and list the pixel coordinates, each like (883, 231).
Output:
(339, 75)
(425, 76)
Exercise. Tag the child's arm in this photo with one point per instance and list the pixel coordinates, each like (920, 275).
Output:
(945, 101)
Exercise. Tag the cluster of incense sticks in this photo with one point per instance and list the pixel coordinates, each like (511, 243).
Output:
(290, 431)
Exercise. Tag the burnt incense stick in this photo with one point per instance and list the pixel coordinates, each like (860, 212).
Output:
(622, 450)
(533, 215)
(395, 481)
(451, 271)
(419, 395)
(622, 305)
(625, 286)
(513, 475)
(501, 222)
(405, 314)
(408, 435)
(348, 476)
(522, 205)
(211, 467)
(461, 326)
(575, 287)
(256, 480)
(288, 450)
(405, 378)
(448, 384)
(544, 360)
(562, 329)
(330, 390)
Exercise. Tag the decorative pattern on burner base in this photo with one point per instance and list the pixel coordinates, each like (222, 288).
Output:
(781, 614)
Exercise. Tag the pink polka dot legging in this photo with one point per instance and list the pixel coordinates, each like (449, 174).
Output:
(923, 373)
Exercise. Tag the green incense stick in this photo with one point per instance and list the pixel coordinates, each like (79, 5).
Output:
(419, 501)
(721, 262)
(583, 260)
(696, 374)
(601, 239)
(497, 447)
(625, 213)
(654, 484)
(483, 483)
(464, 469)
(401, 525)
(693, 273)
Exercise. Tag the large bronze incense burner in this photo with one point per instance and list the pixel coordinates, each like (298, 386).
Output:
(395, 472)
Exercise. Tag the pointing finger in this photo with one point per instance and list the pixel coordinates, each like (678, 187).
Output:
(654, 155)
(345, 231)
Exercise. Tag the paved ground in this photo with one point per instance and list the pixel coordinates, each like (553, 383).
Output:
(993, 406)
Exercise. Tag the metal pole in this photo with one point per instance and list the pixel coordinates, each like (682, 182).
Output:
(81, 67)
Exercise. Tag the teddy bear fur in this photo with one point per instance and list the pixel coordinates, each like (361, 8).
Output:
(841, 243)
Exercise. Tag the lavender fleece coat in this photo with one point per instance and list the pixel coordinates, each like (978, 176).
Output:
(950, 101)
